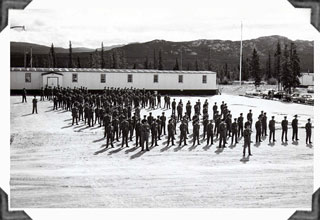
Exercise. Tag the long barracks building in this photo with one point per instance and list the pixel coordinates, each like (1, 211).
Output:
(164, 81)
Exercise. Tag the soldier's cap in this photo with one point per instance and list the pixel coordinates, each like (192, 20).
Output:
(295, 116)
(250, 110)
(163, 113)
(285, 116)
(240, 113)
(235, 119)
(309, 119)
(272, 117)
(265, 113)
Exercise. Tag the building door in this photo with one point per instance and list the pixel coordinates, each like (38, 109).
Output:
(52, 81)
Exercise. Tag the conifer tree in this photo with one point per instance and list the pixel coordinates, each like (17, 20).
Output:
(255, 68)
(160, 67)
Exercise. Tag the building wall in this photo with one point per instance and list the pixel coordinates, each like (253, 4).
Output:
(17, 81)
(92, 80)
(307, 79)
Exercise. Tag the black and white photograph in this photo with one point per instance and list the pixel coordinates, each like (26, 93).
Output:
(202, 105)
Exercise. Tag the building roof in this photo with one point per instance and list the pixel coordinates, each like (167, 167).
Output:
(57, 70)
(51, 72)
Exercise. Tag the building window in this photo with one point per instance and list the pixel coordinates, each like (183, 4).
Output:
(130, 78)
(180, 79)
(103, 78)
(204, 79)
(28, 77)
(74, 77)
(155, 78)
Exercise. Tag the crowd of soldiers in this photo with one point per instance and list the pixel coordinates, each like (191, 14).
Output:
(118, 111)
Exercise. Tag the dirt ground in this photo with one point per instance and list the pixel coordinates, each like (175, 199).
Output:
(55, 164)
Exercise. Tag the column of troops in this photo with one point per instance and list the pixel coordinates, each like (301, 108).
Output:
(118, 111)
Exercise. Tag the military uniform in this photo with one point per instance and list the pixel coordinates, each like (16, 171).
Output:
(272, 129)
(183, 133)
(74, 115)
(170, 133)
(109, 134)
(308, 132)
(145, 132)
(223, 133)
(163, 123)
(154, 133)
(234, 130)
(196, 128)
(258, 130)
(205, 123)
(125, 131)
(295, 129)
(210, 132)
(115, 123)
(284, 126)
(138, 133)
(264, 124)
(247, 141)
(240, 125)
(249, 118)
(34, 105)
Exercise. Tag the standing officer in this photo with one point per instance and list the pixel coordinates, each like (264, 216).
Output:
(264, 124)
(223, 133)
(210, 132)
(215, 108)
(249, 117)
(179, 110)
(41, 94)
(247, 140)
(34, 105)
(295, 128)
(159, 126)
(145, 132)
(74, 111)
(272, 129)
(150, 118)
(234, 129)
(24, 95)
(196, 128)
(284, 126)
(154, 133)
(125, 131)
(240, 125)
(308, 131)
(229, 123)
(170, 132)
(163, 123)
(109, 133)
(183, 133)
(258, 130)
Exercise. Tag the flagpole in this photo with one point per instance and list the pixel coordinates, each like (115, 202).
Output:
(240, 56)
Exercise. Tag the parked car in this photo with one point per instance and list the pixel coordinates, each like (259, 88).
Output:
(302, 98)
(256, 92)
(310, 101)
(267, 93)
(280, 94)
(310, 89)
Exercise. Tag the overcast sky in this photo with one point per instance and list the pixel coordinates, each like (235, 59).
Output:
(123, 22)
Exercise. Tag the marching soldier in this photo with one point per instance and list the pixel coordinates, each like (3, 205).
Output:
(196, 128)
(109, 133)
(154, 132)
(74, 115)
(145, 132)
(240, 125)
(234, 129)
(210, 132)
(294, 124)
(284, 126)
(308, 131)
(34, 105)
(170, 132)
(247, 140)
(223, 134)
(183, 133)
(272, 129)
(258, 130)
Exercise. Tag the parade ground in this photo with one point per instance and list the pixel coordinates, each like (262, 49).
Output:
(58, 165)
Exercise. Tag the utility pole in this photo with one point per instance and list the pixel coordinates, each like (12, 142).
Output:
(240, 56)
(181, 58)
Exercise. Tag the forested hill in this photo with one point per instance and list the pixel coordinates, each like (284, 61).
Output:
(221, 56)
